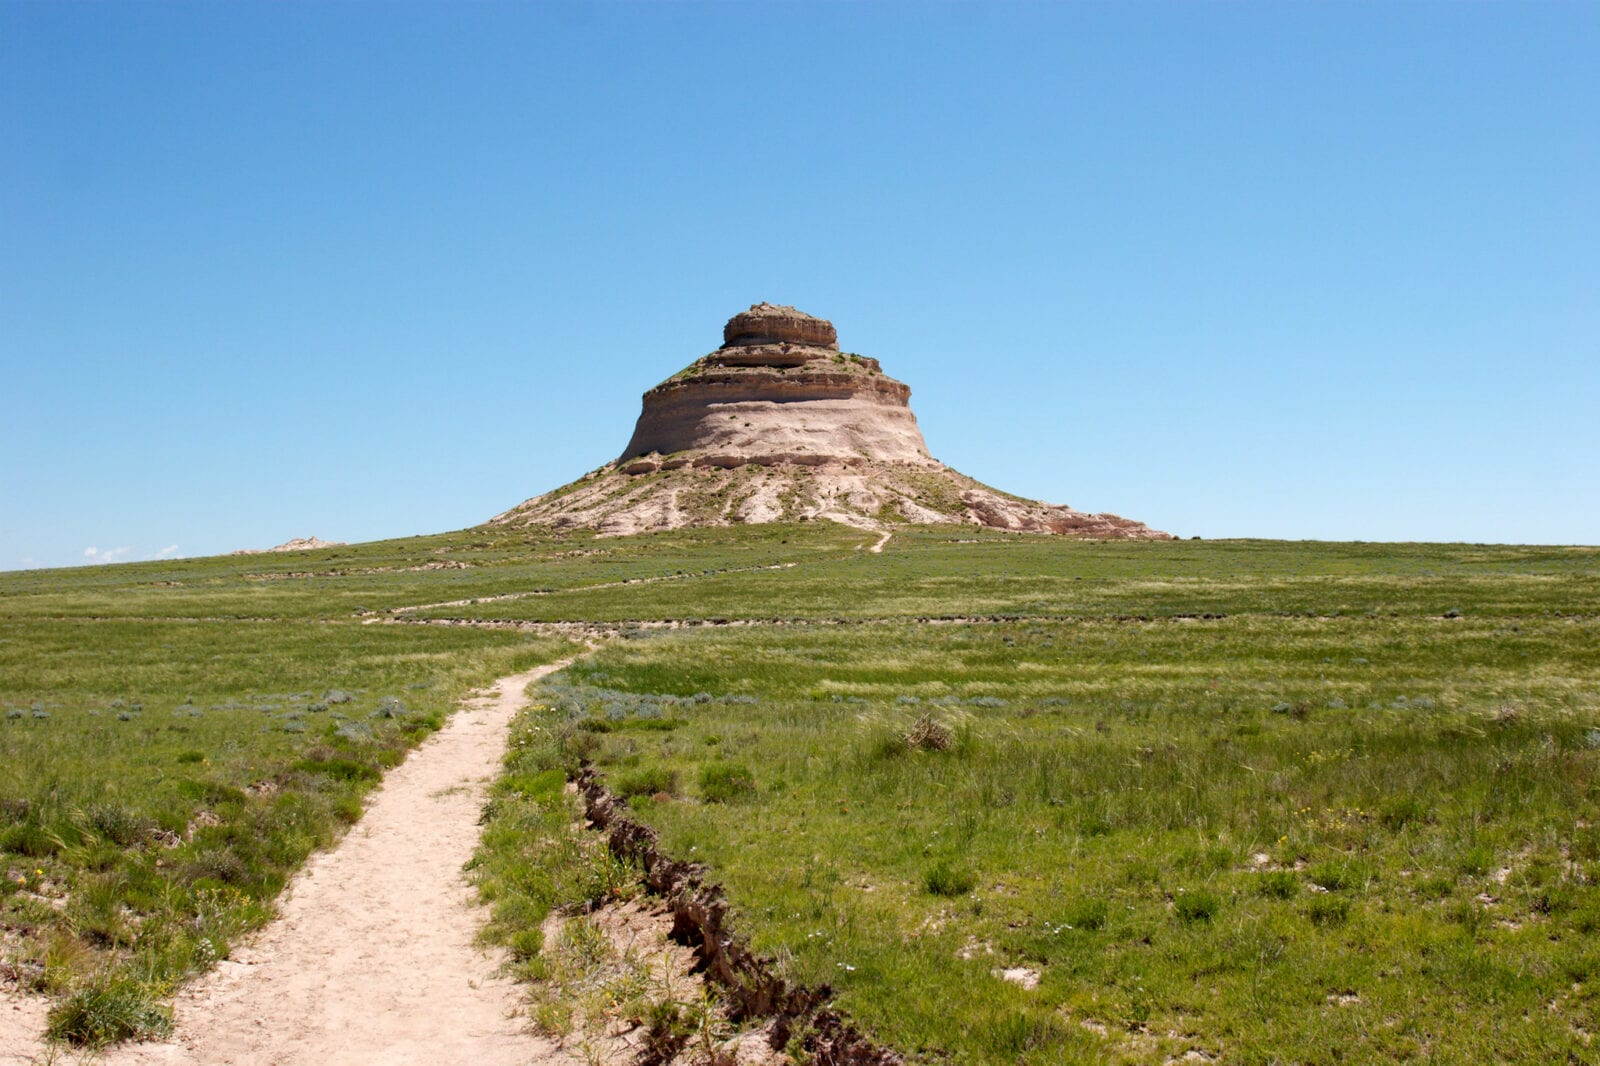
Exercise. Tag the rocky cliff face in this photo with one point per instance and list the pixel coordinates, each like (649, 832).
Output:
(779, 425)
(778, 390)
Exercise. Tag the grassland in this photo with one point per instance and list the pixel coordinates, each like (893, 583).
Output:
(175, 738)
(1255, 802)
(1250, 800)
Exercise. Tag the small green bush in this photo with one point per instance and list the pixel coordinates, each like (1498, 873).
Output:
(1088, 914)
(724, 782)
(945, 878)
(1278, 884)
(1327, 909)
(107, 1010)
(647, 781)
(120, 825)
(1199, 906)
(341, 769)
(1475, 861)
(1402, 811)
(1336, 876)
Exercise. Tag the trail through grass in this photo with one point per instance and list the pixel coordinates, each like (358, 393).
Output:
(1252, 800)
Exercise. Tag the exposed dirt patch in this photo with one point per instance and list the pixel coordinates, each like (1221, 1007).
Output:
(22, 1019)
(640, 1000)
(750, 982)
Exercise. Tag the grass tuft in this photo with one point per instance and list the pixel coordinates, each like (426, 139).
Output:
(947, 878)
(726, 782)
(109, 1009)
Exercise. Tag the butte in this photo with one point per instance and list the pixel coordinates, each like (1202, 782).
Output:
(779, 425)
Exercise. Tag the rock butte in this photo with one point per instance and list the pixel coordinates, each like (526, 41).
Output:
(778, 425)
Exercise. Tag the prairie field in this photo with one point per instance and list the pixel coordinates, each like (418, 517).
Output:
(1014, 799)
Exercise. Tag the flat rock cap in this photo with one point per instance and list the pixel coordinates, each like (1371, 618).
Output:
(768, 323)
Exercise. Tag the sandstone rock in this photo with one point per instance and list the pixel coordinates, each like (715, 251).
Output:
(779, 390)
(780, 425)
(768, 323)
(298, 544)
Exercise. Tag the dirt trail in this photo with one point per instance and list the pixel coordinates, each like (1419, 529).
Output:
(372, 959)
(582, 588)
(22, 1019)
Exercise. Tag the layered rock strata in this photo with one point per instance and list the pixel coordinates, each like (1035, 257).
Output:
(777, 391)
(778, 424)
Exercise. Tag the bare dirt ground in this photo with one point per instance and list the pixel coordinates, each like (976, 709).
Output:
(372, 959)
(22, 1019)
(645, 960)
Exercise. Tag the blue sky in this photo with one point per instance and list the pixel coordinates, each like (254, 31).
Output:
(363, 270)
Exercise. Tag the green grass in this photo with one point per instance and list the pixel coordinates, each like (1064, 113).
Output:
(1266, 801)
(1311, 835)
(160, 780)
(939, 573)
(163, 771)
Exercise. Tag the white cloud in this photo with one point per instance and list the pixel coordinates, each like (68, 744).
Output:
(166, 553)
(106, 555)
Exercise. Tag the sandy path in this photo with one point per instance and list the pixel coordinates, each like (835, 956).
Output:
(372, 958)
(22, 1019)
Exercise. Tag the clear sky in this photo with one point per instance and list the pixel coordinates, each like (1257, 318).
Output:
(363, 270)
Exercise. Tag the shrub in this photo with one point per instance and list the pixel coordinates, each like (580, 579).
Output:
(1327, 909)
(1586, 843)
(1402, 811)
(1088, 914)
(723, 782)
(1278, 884)
(108, 1010)
(580, 746)
(1199, 906)
(119, 824)
(339, 769)
(945, 878)
(1475, 861)
(1336, 876)
(216, 864)
(646, 781)
(926, 734)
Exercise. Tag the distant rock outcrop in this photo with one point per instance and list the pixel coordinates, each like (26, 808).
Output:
(298, 544)
(778, 424)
